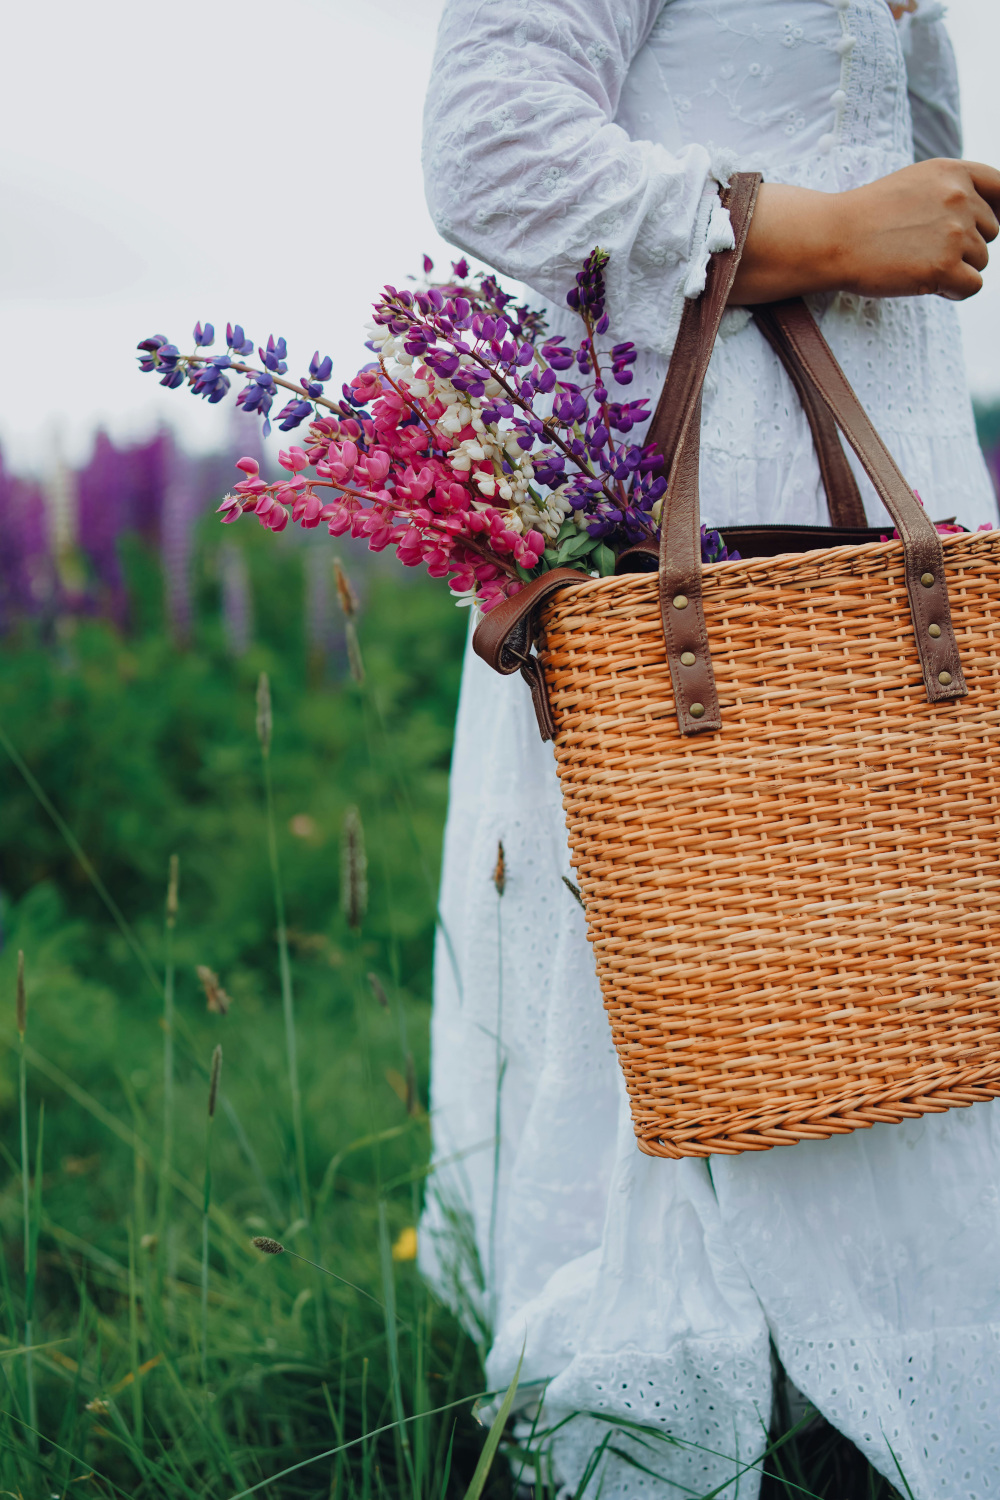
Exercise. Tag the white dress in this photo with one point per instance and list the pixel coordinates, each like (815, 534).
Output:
(645, 1290)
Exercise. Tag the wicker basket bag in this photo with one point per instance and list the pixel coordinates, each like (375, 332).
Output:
(782, 790)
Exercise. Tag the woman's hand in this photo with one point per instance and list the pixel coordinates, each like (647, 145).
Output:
(923, 229)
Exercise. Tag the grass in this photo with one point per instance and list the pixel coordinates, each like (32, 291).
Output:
(147, 1348)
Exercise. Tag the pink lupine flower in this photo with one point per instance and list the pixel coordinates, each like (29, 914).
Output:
(366, 385)
(294, 459)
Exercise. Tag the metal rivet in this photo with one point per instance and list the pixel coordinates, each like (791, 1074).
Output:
(680, 601)
(934, 630)
(697, 709)
(927, 579)
(944, 678)
(687, 658)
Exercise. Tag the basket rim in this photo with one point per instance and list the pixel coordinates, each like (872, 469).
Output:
(850, 558)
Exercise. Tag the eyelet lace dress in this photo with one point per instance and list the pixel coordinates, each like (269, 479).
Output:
(645, 1291)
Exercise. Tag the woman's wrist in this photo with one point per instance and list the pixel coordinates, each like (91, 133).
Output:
(921, 230)
(796, 244)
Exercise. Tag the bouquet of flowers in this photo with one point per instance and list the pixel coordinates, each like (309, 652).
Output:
(473, 443)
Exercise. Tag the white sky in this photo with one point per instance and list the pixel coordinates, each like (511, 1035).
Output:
(253, 160)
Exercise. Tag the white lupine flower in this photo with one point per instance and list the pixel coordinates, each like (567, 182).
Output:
(486, 484)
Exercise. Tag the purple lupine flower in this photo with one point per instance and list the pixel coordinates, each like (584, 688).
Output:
(29, 585)
(181, 506)
(237, 340)
(273, 357)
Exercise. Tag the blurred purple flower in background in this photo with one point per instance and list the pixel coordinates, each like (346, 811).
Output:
(237, 601)
(28, 584)
(181, 507)
(119, 491)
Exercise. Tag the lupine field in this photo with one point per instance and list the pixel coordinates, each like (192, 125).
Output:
(225, 895)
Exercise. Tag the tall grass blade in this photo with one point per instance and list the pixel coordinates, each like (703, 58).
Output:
(166, 1158)
(482, 1469)
(213, 1092)
(264, 730)
(21, 1010)
(365, 1438)
(500, 881)
(899, 1470)
(392, 1343)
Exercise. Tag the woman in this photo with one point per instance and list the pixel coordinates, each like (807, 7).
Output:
(646, 1290)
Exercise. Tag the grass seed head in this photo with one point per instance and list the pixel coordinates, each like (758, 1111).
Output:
(267, 1246)
(378, 990)
(21, 997)
(353, 869)
(264, 718)
(573, 888)
(218, 1001)
(172, 882)
(500, 871)
(345, 593)
(213, 1081)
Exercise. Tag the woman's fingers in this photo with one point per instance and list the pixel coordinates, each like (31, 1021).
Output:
(986, 181)
(986, 220)
(959, 282)
(976, 253)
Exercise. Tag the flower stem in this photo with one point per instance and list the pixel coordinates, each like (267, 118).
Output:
(166, 1159)
(29, 1370)
(287, 997)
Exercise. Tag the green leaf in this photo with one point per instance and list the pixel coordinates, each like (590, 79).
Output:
(493, 1438)
(567, 529)
(577, 546)
(604, 560)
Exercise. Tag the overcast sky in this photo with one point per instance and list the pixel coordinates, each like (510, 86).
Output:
(244, 160)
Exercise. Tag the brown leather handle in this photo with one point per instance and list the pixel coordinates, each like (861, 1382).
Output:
(842, 494)
(794, 332)
(923, 554)
(681, 607)
(843, 498)
(503, 638)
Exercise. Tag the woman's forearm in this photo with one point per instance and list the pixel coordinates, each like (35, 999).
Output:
(922, 229)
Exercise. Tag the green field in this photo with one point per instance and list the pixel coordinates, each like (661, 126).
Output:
(171, 1358)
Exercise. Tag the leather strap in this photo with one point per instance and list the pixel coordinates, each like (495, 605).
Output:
(504, 637)
(681, 607)
(926, 586)
(843, 496)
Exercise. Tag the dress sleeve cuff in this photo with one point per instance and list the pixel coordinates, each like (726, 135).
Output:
(713, 231)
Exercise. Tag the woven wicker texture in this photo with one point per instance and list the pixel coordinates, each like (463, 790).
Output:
(796, 921)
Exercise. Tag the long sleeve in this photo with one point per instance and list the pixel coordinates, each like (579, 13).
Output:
(526, 169)
(932, 82)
